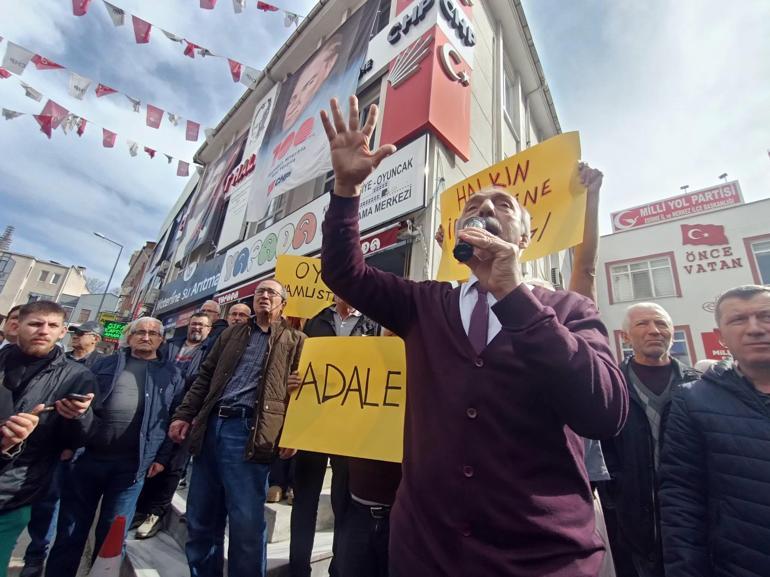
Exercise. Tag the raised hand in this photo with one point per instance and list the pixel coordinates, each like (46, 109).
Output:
(591, 178)
(352, 159)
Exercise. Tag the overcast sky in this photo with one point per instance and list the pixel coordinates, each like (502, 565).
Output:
(664, 94)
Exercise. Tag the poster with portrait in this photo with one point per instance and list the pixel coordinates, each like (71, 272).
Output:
(206, 204)
(295, 148)
(259, 122)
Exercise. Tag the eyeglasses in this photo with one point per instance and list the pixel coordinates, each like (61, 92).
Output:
(199, 325)
(150, 334)
(272, 293)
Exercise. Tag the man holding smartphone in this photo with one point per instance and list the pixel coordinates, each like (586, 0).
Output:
(40, 419)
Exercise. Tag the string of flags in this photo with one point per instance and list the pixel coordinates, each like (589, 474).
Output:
(54, 116)
(239, 71)
(17, 58)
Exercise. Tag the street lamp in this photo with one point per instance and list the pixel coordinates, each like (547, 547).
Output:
(723, 176)
(684, 188)
(106, 290)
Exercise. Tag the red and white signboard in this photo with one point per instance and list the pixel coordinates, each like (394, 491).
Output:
(692, 203)
(714, 349)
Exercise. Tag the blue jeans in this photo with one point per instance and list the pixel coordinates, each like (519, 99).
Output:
(42, 523)
(226, 486)
(90, 479)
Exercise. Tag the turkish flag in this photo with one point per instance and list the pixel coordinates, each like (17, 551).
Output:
(108, 138)
(104, 90)
(80, 7)
(235, 70)
(56, 111)
(183, 168)
(192, 131)
(190, 49)
(46, 123)
(264, 6)
(150, 151)
(5, 74)
(44, 64)
(82, 126)
(141, 30)
(704, 234)
(154, 116)
(208, 4)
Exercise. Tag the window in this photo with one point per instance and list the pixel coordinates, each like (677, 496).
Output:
(649, 278)
(681, 346)
(6, 266)
(55, 278)
(508, 97)
(382, 18)
(84, 315)
(34, 297)
(43, 276)
(758, 249)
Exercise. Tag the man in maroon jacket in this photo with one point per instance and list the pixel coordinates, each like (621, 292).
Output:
(493, 476)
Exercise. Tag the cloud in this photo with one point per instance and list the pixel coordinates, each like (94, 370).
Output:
(663, 93)
(58, 192)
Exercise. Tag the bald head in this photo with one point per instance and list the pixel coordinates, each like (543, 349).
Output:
(238, 315)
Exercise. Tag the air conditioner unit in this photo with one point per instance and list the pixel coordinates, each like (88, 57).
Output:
(556, 279)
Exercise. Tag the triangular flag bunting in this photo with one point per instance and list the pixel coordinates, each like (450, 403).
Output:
(235, 70)
(82, 126)
(265, 7)
(205, 52)
(104, 90)
(42, 63)
(168, 157)
(108, 138)
(78, 85)
(135, 104)
(30, 92)
(154, 116)
(142, 30)
(238, 6)
(16, 58)
(80, 7)
(183, 168)
(290, 19)
(209, 132)
(4, 73)
(46, 123)
(172, 37)
(250, 76)
(173, 118)
(150, 151)
(11, 114)
(192, 131)
(208, 4)
(56, 111)
(190, 49)
(117, 15)
(133, 148)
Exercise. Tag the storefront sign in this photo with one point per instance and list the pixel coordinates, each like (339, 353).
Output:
(714, 349)
(691, 203)
(396, 188)
(711, 260)
(113, 330)
(197, 283)
(544, 180)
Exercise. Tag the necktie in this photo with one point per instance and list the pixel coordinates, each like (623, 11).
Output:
(477, 331)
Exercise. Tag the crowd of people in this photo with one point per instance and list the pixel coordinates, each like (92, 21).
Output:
(528, 451)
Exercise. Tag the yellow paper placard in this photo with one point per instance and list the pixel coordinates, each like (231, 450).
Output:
(545, 181)
(351, 400)
(301, 276)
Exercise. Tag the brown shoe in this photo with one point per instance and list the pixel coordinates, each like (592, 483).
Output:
(274, 494)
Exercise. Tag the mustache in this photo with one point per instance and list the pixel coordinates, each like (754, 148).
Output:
(491, 224)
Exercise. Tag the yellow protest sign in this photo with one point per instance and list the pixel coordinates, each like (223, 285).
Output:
(545, 181)
(301, 277)
(351, 400)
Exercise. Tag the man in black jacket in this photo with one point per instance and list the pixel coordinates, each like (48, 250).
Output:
(715, 468)
(35, 377)
(84, 340)
(630, 499)
(344, 321)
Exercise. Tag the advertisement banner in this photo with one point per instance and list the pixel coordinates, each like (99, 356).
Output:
(714, 349)
(295, 147)
(544, 180)
(205, 207)
(351, 399)
(396, 188)
(688, 204)
(197, 282)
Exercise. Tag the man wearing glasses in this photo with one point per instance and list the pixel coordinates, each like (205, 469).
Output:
(84, 340)
(137, 390)
(238, 403)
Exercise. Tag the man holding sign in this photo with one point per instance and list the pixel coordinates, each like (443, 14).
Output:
(502, 378)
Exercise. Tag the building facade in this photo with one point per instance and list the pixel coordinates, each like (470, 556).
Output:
(129, 304)
(460, 87)
(682, 253)
(25, 279)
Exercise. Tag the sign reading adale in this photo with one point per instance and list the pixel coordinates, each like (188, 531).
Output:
(301, 276)
(351, 399)
(545, 181)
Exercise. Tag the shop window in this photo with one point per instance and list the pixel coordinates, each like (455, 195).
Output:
(758, 249)
(646, 278)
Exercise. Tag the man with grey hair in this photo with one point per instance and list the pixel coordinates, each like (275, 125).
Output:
(630, 499)
(715, 466)
(137, 390)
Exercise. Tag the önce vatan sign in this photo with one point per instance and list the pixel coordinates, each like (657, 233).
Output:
(545, 181)
(301, 277)
(351, 399)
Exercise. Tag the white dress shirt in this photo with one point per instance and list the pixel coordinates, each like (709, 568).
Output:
(468, 298)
